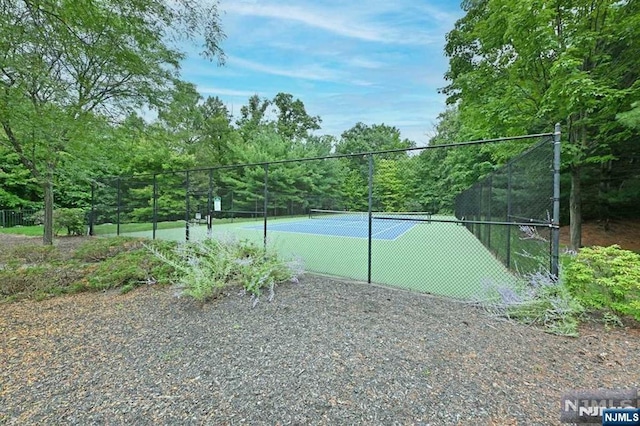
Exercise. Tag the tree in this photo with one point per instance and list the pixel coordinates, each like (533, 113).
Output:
(520, 66)
(252, 116)
(63, 62)
(293, 120)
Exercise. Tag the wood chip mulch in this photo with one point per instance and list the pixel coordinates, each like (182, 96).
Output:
(322, 352)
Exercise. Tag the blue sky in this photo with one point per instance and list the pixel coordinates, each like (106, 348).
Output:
(370, 61)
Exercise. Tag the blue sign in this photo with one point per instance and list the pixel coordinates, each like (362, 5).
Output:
(621, 417)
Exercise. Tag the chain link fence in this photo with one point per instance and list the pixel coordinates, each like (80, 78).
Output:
(438, 219)
(509, 213)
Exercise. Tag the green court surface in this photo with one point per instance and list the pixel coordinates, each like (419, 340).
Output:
(437, 257)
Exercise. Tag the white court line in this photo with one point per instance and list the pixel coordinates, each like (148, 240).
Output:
(389, 229)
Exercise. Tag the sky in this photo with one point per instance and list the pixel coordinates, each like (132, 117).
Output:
(369, 61)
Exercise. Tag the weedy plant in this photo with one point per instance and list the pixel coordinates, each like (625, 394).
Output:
(538, 299)
(206, 268)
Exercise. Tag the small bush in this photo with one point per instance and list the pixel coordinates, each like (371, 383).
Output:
(31, 253)
(606, 278)
(129, 269)
(40, 281)
(99, 249)
(206, 268)
(540, 300)
(70, 219)
(39, 272)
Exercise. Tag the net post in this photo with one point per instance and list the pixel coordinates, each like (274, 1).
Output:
(370, 217)
(555, 224)
(266, 203)
(154, 207)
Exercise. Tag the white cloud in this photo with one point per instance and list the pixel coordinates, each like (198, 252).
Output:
(304, 72)
(348, 22)
(217, 91)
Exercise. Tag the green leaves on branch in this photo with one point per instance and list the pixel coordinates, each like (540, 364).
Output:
(606, 278)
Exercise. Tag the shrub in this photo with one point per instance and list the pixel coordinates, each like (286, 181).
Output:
(206, 268)
(38, 272)
(606, 278)
(127, 270)
(39, 281)
(30, 253)
(99, 249)
(70, 219)
(540, 299)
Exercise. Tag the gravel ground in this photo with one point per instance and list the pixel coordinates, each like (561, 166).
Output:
(322, 352)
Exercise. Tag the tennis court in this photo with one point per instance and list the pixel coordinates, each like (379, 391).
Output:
(384, 226)
(418, 251)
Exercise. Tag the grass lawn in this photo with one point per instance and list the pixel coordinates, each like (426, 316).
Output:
(31, 231)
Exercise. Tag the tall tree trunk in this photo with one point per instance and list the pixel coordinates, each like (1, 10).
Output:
(575, 210)
(48, 208)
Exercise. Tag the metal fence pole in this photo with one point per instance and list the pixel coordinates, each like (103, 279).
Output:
(186, 207)
(210, 206)
(154, 205)
(489, 215)
(555, 226)
(266, 202)
(508, 219)
(370, 216)
(118, 207)
(92, 212)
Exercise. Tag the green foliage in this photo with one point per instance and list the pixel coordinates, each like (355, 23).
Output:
(30, 254)
(68, 68)
(73, 220)
(99, 249)
(391, 185)
(518, 67)
(206, 268)
(39, 281)
(35, 271)
(606, 278)
(129, 269)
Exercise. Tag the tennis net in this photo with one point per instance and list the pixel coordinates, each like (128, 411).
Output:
(352, 216)
(238, 215)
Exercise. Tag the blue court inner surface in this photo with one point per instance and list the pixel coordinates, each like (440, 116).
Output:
(380, 229)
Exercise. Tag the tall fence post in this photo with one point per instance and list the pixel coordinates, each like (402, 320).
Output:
(92, 212)
(489, 215)
(555, 225)
(370, 217)
(118, 207)
(509, 172)
(266, 202)
(186, 207)
(210, 206)
(154, 206)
